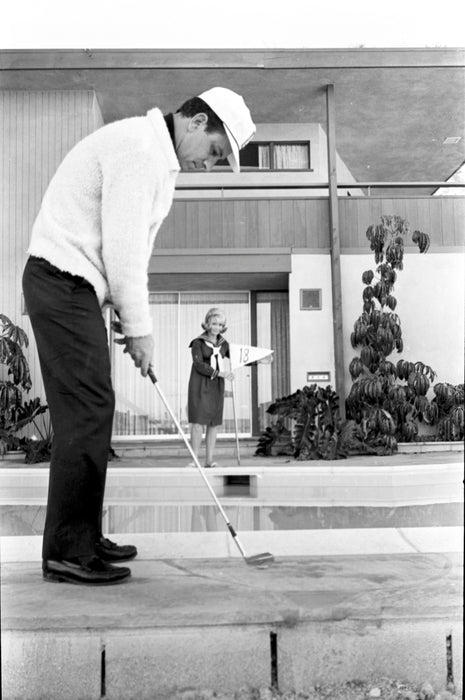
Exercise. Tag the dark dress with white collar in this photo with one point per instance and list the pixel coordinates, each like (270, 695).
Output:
(206, 388)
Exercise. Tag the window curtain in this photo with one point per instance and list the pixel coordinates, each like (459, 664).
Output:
(264, 157)
(138, 411)
(291, 157)
(273, 333)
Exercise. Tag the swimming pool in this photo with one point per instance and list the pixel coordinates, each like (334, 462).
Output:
(255, 498)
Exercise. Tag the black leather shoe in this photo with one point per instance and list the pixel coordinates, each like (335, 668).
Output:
(87, 571)
(110, 551)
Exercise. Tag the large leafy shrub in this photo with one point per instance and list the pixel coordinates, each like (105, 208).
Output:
(447, 410)
(15, 411)
(387, 410)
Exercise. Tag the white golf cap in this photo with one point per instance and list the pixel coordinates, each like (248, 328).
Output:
(235, 115)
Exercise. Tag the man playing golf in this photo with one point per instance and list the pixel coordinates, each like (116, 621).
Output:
(90, 246)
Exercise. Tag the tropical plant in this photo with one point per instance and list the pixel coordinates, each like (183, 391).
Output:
(276, 439)
(387, 410)
(38, 449)
(16, 412)
(318, 431)
(447, 410)
(380, 409)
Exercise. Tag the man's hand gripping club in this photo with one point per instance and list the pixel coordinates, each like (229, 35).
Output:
(140, 349)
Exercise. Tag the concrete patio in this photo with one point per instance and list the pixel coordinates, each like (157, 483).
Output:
(192, 623)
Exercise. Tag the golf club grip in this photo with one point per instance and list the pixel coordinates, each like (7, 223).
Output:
(152, 376)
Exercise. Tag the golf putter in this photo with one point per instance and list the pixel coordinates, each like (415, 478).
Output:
(262, 559)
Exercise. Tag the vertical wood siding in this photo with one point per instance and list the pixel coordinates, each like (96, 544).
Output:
(443, 218)
(246, 223)
(303, 223)
(37, 129)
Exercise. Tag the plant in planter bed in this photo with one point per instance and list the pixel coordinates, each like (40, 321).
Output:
(15, 411)
(318, 431)
(380, 410)
(388, 411)
(447, 410)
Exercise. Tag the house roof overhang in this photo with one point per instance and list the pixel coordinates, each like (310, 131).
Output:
(394, 107)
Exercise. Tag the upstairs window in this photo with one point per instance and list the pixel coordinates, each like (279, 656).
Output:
(274, 155)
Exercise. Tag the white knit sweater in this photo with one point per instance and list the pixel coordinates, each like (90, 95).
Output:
(102, 210)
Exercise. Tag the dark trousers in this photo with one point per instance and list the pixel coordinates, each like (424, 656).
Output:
(73, 350)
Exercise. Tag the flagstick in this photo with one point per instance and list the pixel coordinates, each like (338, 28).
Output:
(235, 423)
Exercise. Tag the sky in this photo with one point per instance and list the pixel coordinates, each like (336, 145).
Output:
(258, 24)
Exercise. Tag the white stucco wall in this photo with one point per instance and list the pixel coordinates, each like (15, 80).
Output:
(430, 295)
(311, 332)
(430, 292)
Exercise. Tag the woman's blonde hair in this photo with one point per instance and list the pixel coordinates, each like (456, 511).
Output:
(215, 312)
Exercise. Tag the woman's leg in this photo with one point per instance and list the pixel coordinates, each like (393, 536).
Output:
(210, 442)
(196, 437)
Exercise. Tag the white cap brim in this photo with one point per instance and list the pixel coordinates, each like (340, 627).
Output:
(233, 158)
(231, 109)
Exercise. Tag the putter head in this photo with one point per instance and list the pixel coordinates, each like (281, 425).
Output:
(260, 559)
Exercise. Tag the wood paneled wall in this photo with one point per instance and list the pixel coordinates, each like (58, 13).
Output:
(246, 223)
(443, 218)
(37, 129)
(303, 223)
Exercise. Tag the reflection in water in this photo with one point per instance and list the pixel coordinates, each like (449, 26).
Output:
(206, 518)
(29, 520)
(184, 518)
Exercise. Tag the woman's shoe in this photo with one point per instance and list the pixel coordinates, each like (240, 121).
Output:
(211, 466)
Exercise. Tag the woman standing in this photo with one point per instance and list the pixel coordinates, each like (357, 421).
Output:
(206, 382)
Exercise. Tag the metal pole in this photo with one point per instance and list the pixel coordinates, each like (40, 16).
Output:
(235, 423)
(335, 249)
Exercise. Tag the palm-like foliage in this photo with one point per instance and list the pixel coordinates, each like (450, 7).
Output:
(15, 412)
(318, 432)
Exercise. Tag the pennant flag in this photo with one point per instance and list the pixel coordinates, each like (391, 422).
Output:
(241, 355)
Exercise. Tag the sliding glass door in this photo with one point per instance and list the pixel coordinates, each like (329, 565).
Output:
(177, 319)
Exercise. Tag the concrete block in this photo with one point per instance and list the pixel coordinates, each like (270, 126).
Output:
(413, 650)
(50, 666)
(160, 663)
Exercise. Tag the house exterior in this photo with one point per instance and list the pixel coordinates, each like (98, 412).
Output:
(281, 247)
